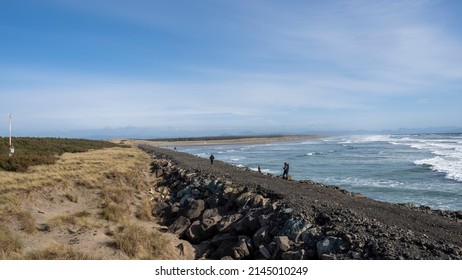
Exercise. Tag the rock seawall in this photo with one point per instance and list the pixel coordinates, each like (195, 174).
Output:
(225, 219)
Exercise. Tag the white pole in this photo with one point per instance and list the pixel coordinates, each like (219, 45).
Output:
(10, 130)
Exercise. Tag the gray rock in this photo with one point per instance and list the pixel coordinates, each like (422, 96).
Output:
(194, 233)
(329, 257)
(261, 236)
(214, 201)
(195, 192)
(226, 249)
(294, 227)
(179, 226)
(219, 238)
(230, 193)
(259, 201)
(163, 190)
(190, 175)
(211, 223)
(282, 242)
(159, 208)
(214, 187)
(42, 227)
(310, 235)
(203, 249)
(293, 255)
(244, 199)
(355, 255)
(227, 222)
(209, 213)
(185, 199)
(329, 245)
(208, 182)
(248, 224)
(241, 250)
(264, 251)
(194, 209)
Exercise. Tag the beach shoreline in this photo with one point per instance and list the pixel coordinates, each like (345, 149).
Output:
(211, 141)
(366, 228)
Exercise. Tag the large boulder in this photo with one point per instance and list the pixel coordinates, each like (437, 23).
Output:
(194, 209)
(244, 199)
(259, 201)
(159, 209)
(195, 233)
(184, 191)
(226, 249)
(179, 226)
(241, 250)
(261, 236)
(282, 242)
(227, 222)
(219, 238)
(330, 245)
(310, 235)
(294, 227)
(203, 249)
(248, 225)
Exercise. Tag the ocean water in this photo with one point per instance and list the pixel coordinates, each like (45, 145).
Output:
(419, 169)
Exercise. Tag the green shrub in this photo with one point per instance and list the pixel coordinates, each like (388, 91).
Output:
(31, 151)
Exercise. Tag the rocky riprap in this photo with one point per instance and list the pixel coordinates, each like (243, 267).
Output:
(225, 218)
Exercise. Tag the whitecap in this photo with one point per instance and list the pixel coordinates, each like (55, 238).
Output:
(451, 166)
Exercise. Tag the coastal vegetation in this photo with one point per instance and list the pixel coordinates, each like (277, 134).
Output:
(30, 151)
(85, 200)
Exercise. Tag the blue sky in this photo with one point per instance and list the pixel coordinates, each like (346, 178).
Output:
(214, 67)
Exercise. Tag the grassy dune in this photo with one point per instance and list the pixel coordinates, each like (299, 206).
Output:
(88, 168)
(86, 205)
(31, 151)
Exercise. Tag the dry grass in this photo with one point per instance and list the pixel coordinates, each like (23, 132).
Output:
(58, 252)
(144, 210)
(13, 207)
(71, 198)
(27, 221)
(114, 212)
(80, 219)
(119, 193)
(90, 167)
(10, 246)
(104, 180)
(140, 243)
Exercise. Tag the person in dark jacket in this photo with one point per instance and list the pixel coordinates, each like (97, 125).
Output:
(211, 159)
(285, 174)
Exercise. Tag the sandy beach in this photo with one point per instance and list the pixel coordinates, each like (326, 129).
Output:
(164, 143)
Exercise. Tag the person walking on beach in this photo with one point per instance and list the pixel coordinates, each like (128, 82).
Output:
(285, 174)
(259, 169)
(211, 159)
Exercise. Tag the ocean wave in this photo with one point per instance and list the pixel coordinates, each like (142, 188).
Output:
(358, 139)
(264, 170)
(452, 167)
(371, 182)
